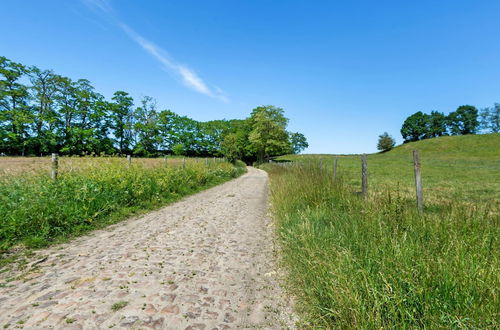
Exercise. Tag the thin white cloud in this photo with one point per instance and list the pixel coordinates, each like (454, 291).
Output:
(188, 77)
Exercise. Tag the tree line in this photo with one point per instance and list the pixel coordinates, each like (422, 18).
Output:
(42, 112)
(467, 119)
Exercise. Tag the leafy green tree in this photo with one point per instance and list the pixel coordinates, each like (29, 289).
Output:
(178, 149)
(268, 136)
(464, 120)
(43, 92)
(385, 142)
(121, 116)
(14, 109)
(298, 142)
(230, 148)
(490, 119)
(495, 118)
(147, 128)
(436, 125)
(415, 127)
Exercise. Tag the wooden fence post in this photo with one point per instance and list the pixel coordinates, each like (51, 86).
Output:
(55, 166)
(129, 160)
(334, 169)
(364, 176)
(183, 162)
(165, 161)
(206, 161)
(418, 182)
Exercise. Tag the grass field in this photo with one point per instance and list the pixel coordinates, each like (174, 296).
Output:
(92, 193)
(454, 168)
(379, 264)
(13, 166)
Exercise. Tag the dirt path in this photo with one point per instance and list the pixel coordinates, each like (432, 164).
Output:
(205, 262)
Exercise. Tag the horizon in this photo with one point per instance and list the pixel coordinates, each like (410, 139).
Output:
(343, 73)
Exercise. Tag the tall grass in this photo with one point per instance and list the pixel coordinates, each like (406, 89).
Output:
(36, 210)
(378, 264)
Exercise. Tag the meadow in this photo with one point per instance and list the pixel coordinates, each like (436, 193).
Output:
(378, 263)
(92, 192)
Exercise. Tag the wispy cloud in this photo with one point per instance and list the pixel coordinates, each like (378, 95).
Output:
(188, 77)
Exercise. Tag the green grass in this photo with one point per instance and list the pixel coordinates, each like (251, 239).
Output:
(376, 263)
(37, 211)
(119, 305)
(454, 168)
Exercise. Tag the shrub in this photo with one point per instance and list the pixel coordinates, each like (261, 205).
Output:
(385, 142)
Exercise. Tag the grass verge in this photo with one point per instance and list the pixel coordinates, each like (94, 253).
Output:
(378, 264)
(37, 211)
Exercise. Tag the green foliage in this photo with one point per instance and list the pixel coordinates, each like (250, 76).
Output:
(415, 127)
(376, 264)
(268, 136)
(464, 120)
(230, 147)
(36, 210)
(436, 125)
(385, 142)
(490, 119)
(56, 114)
(298, 142)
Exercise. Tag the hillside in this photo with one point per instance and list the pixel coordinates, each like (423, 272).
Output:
(459, 168)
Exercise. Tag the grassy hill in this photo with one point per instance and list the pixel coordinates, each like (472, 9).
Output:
(379, 264)
(459, 168)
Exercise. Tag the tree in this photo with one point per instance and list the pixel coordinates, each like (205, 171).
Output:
(14, 109)
(495, 118)
(147, 128)
(385, 142)
(268, 136)
(298, 142)
(490, 119)
(230, 148)
(464, 120)
(415, 127)
(121, 120)
(436, 125)
(45, 116)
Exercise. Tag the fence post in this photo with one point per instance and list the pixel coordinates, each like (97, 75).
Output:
(55, 166)
(165, 161)
(206, 161)
(364, 176)
(334, 169)
(129, 160)
(418, 182)
(183, 162)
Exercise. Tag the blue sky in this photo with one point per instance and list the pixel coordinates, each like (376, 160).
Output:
(344, 71)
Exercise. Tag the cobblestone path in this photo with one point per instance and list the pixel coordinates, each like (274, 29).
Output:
(206, 262)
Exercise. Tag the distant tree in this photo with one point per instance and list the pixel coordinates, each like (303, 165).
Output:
(45, 116)
(14, 107)
(484, 119)
(298, 142)
(385, 142)
(121, 120)
(490, 119)
(268, 136)
(495, 118)
(436, 125)
(464, 120)
(178, 149)
(230, 148)
(42, 112)
(147, 128)
(415, 127)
